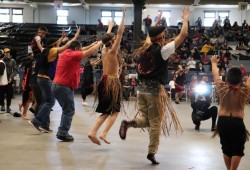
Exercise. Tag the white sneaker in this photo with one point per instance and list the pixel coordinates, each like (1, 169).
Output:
(85, 104)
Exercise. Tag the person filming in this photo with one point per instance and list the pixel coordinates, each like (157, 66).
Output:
(200, 102)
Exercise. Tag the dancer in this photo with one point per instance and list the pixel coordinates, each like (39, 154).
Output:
(42, 121)
(230, 127)
(87, 86)
(67, 78)
(109, 88)
(36, 45)
(27, 93)
(152, 98)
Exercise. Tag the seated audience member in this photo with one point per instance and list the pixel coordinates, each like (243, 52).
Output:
(205, 60)
(214, 40)
(221, 39)
(133, 84)
(243, 70)
(225, 46)
(191, 64)
(206, 48)
(241, 46)
(239, 36)
(200, 68)
(172, 87)
(126, 88)
(179, 84)
(195, 54)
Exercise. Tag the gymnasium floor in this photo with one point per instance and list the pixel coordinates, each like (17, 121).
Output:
(22, 148)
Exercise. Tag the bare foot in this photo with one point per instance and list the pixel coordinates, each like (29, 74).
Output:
(104, 139)
(25, 118)
(94, 139)
(20, 107)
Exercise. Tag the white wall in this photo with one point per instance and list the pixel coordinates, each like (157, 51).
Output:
(47, 14)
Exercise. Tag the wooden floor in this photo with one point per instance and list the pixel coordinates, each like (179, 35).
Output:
(22, 148)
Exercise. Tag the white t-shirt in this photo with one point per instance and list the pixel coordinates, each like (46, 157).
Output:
(167, 50)
(192, 64)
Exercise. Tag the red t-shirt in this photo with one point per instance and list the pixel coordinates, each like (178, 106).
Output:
(68, 68)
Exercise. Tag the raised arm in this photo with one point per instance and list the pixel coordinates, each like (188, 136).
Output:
(92, 49)
(215, 69)
(248, 83)
(184, 30)
(158, 19)
(61, 49)
(59, 41)
(148, 41)
(89, 46)
(110, 26)
(95, 62)
(120, 31)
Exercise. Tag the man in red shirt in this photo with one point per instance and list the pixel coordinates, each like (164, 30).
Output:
(66, 79)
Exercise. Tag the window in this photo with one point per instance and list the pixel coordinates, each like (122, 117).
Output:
(17, 15)
(106, 17)
(62, 16)
(118, 17)
(111, 15)
(223, 15)
(4, 15)
(210, 16)
(166, 15)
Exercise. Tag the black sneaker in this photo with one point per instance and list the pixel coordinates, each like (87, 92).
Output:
(34, 125)
(123, 129)
(32, 110)
(151, 157)
(197, 127)
(45, 129)
(2, 108)
(68, 138)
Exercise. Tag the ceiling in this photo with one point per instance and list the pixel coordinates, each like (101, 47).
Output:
(172, 2)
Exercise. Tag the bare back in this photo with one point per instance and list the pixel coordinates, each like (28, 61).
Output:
(232, 102)
(110, 61)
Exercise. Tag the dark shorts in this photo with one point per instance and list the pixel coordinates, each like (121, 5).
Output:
(106, 104)
(232, 134)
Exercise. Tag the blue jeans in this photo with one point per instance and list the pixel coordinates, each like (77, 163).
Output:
(43, 114)
(65, 97)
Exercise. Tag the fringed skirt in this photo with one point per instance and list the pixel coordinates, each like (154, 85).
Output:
(109, 93)
(167, 115)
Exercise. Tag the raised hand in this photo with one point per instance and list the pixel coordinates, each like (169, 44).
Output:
(63, 32)
(186, 13)
(124, 10)
(215, 59)
(77, 32)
